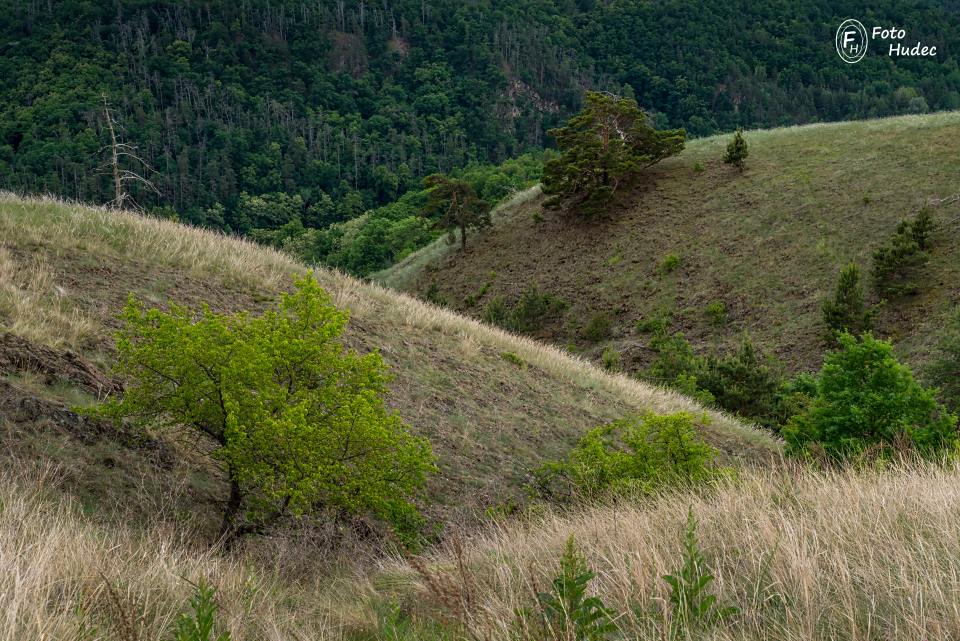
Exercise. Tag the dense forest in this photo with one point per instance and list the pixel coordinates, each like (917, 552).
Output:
(320, 110)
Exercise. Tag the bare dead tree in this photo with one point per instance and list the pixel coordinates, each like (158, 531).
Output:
(121, 154)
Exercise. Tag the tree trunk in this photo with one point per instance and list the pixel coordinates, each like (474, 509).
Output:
(228, 530)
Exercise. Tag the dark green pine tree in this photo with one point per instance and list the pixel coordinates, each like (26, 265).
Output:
(604, 148)
(458, 205)
(847, 311)
(737, 150)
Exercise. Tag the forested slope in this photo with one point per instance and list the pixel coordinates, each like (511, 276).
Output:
(328, 108)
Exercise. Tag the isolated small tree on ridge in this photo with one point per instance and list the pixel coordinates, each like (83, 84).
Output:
(737, 150)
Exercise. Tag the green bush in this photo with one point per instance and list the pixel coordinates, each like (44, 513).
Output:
(298, 423)
(944, 370)
(716, 313)
(737, 150)
(741, 382)
(635, 455)
(866, 400)
(847, 311)
(528, 314)
(610, 359)
(598, 328)
(670, 263)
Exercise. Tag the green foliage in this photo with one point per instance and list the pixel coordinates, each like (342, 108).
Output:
(603, 149)
(897, 265)
(634, 455)
(298, 422)
(356, 104)
(512, 357)
(740, 382)
(598, 328)
(866, 400)
(944, 370)
(201, 623)
(716, 313)
(455, 205)
(847, 311)
(743, 384)
(695, 607)
(528, 314)
(610, 359)
(568, 612)
(737, 151)
(669, 264)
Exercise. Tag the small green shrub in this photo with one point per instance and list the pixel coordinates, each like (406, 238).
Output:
(847, 311)
(669, 264)
(737, 150)
(610, 359)
(201, 623)
(944, 370)
(716, 313)
(568, 612)
(694, 606)
(697, 168)
(866, 400)
(512, 357)
(634, 455)
(598, 328)
(528, 314)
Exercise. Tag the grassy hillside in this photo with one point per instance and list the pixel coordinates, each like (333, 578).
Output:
(66, 270)
(767, 244)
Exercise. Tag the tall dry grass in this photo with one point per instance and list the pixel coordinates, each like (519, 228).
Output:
(805, 555)
(65, 577)
(214, 257)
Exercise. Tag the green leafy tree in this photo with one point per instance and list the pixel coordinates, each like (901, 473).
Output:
(944, 371)
(298, 422)
(737, 150)
(866, 399)
(603, 149)
(847, 311)
(456, 203)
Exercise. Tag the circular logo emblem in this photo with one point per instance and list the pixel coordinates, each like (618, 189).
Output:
(851, 41)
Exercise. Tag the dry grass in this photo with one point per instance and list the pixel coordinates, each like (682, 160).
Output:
(36, 307)
(490, 421)
(66, 578)
(871, 555)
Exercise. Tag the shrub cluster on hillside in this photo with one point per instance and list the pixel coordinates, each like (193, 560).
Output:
(897, 265)
(630, 457)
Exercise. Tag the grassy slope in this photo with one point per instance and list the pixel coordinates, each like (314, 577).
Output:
(66, 270)
(767, 243)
